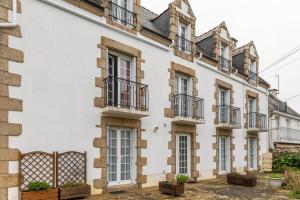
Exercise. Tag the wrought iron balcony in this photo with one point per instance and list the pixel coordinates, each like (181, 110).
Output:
(187, 106)
(228, 117)
(125, 94)
(122, 15)
(257, 121)
(224, 64)
(184, 45)
(252, 77)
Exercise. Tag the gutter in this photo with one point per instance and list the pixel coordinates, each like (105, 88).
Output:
(99, 21)
(286, 115)
(205, 65)
(14, 17)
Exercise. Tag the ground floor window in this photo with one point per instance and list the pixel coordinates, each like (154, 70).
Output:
(224, 155)
(121, 156)
(183, 154)
(252, 154)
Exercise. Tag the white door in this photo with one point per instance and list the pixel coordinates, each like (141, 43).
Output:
(182, 102)
(121, 156)
(252, 154)
(252, 112)
(183, 35)
(223, 109)
(224, 155)
(183, 154)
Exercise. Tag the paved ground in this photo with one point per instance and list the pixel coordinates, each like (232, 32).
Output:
(215, 189)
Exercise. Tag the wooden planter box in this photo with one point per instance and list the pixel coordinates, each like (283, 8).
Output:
(41, 195)
(75, 192)
(171, 188)
(244, 180)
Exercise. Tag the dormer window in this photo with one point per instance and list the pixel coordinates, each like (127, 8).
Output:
(225, 63)
(252, 71)
(122, 12)
(183, 39)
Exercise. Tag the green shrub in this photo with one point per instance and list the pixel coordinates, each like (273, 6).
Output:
(275, 175)
(286, 161)
(294, 195)
(38, 186)
(181, 179)
(72, 184)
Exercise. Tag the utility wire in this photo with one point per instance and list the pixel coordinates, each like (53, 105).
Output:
(293, 51)
(293, 97)
(281, 67)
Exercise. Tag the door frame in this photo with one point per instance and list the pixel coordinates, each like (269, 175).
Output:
(189, 153)
(133, 166)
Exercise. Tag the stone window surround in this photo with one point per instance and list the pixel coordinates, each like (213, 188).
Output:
(171, 161)
(109, 44)
(219, 84)
(175, 18)
(215, 146)
(180, 69)
(8, 103)
(252, 94)
(253, 136)
(101, 143)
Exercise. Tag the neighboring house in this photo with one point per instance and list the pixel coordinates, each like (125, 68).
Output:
(284, 125)
(144, 96)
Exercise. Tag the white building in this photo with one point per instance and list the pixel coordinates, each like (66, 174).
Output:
(284, 126)
(122, 83)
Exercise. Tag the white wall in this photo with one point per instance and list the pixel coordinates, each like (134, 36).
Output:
(58, 90)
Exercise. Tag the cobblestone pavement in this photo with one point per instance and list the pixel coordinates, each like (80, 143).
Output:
(215, 189)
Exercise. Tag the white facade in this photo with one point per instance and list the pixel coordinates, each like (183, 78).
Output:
(58, 89)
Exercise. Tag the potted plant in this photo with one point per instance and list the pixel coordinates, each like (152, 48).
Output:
(275, 180)
(72, 190)
(40, 191)
(173, 187)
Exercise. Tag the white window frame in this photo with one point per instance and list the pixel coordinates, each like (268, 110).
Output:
(133, 167)
(189, 155)
(178, 84)
(252, 155)
(227, 155)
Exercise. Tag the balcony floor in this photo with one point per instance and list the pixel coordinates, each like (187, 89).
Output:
(187, 120)
(227, 126)
(124, 112)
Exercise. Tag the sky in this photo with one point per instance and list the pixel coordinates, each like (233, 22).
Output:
(273, 25)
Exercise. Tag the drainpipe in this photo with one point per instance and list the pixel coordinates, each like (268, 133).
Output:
(14, 17)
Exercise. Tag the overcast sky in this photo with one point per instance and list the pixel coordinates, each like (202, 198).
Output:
(273, 25)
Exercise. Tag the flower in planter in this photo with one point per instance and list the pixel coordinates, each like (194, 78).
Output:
(181, 179)
(38, 186)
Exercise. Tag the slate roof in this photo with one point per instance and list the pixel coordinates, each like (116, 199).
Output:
(278, 105)
(149, 21)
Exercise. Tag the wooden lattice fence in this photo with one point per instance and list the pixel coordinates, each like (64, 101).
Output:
(56, 169)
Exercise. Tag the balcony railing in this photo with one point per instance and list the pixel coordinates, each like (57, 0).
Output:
(287, 135)
(257, 121)
(184, 45)
(122, 15)
(124, 93)
(224, 64)
(188, 106)
(252, 77)
(229, 116)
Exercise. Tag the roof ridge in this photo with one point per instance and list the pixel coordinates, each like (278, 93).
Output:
(149, 10)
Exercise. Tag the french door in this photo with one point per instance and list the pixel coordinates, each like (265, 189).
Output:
(223, 110)
(182, 104)
(252, 111)
(252, 153)
(120, 91)
(183, 154)
(224, 155)
(121, 156)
